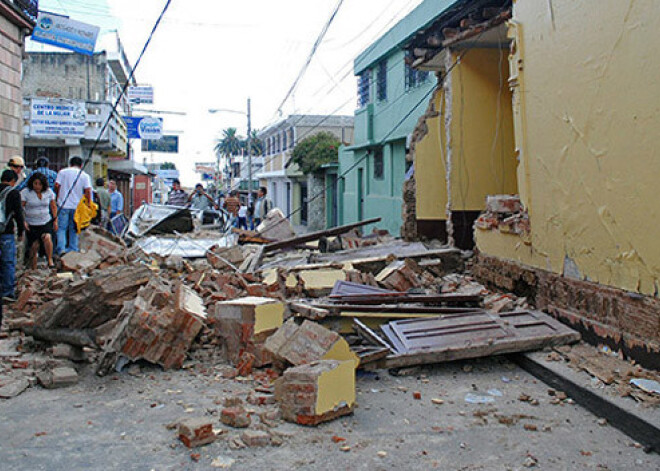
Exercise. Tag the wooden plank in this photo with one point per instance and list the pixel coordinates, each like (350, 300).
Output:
(370, 354)
(425, 341)
(317, 235)
(381, 298)
(348, 288)
(385, 309)
(368, 334)
(308, 311)
(255, 260)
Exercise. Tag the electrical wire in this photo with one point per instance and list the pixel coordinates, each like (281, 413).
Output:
(392, 130)
(315, 47)
(113, 111)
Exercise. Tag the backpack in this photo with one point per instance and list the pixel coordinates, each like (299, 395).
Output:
(4, 217)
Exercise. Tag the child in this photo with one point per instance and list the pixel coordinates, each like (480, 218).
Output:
(242, 217)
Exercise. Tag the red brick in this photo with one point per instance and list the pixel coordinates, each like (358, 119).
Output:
(235, 417)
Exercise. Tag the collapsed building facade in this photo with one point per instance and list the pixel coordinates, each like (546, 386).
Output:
(541, 128)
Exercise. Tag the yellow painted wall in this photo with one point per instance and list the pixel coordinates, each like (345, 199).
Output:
(589, 117)
(430, 169)
(483, 160)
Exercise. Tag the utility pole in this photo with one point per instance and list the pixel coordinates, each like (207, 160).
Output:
(249, 151)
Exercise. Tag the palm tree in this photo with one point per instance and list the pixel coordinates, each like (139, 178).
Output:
(256, 144)
(230, 144)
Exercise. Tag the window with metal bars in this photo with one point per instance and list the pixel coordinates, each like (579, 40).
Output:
(414, 77)
(381, 81)
(364, 88)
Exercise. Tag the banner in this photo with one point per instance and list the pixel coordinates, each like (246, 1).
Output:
(141, 95)
(54, 118)
(66, 33)
(167, 144)
(144, 127)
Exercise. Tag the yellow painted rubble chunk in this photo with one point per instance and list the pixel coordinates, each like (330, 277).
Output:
(336, 388)
(270, 276)
(321, 279)
(268, 317)
(291, 281)
(341, 351)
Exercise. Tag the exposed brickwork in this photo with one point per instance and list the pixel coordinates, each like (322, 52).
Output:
(11, 97)
(298, 390)
(409, 210)
(603, 314)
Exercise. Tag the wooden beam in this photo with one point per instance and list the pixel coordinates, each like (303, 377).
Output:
(317, 235)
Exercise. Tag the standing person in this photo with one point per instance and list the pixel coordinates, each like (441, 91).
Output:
(42, 167)
(242, 217)
(202, 201)
(40, 218)
(232, 204)
(17, 164)
(262, 206)
(250, 211)
(116, 200)
(176, 196)
(70, 186)
(10, 202)
(103, 202)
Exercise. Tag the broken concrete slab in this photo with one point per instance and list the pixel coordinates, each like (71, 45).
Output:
(14, 388)
(276, 226)
(317, 392)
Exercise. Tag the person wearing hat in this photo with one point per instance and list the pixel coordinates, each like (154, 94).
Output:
(42, 168)
(17, 164)
(176, 196)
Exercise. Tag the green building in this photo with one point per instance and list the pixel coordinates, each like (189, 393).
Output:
(391, 98)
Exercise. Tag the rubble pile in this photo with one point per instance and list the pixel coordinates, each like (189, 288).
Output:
(295, 320)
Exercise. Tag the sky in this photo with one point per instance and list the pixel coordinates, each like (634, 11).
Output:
(215, 54)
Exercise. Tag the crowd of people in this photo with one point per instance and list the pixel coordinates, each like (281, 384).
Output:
(245, 214)
(48, 209)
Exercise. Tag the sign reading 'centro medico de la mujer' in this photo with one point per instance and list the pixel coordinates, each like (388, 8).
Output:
(57, 118)
(66, 33)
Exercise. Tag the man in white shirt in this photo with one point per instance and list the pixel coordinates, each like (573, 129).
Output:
(70, 186)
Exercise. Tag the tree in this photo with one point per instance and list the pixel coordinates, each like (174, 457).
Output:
(256, 144)
(315, 151)
(167, 166)
(230, 144)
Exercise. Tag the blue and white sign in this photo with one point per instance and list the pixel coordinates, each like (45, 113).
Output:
(66, 33)
(57, 119)
(141, 95)
(144, 127)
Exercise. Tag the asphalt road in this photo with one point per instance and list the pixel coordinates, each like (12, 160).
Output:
(119, 423)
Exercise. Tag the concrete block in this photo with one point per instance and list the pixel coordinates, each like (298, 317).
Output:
(70, 352)
(254, 438)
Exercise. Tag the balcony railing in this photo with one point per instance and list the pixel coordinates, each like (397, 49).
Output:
(29, 8)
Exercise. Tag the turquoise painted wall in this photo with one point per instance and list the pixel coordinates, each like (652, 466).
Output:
(383, 197)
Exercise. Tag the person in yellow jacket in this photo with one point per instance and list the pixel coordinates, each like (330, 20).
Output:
(84, 214)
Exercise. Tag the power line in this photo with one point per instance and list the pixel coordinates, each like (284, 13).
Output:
(113, 111)
(315, 47)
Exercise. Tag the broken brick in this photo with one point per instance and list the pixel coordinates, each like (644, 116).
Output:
(196, 432)
(236, 417)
